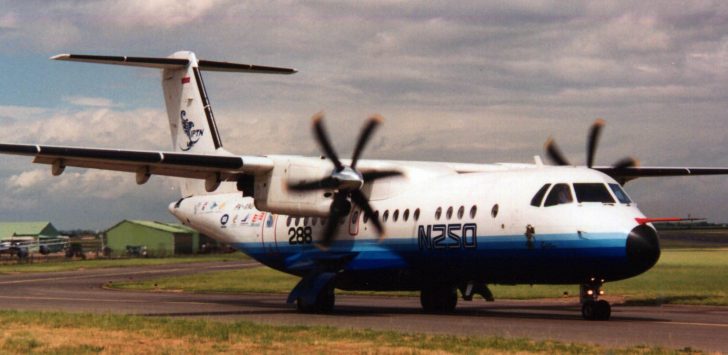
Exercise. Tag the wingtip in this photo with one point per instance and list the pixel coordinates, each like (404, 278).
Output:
(377, 118)
(60, 56)
(549, 142)
(317, 117)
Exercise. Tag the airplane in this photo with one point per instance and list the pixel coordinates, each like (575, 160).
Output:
(450, 227)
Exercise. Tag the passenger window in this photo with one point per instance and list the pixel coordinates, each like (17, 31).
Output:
(288, 221)
(449, 213)
(560, 194)
(305, 221)
(313, 221)
(438, 213)
(592, 192)
(538, 197)
(395, 216)
(461, 212)
(365, 219)
(416, 215)
(385, 216)
(473, 211)
(621, 195)
(405, 215)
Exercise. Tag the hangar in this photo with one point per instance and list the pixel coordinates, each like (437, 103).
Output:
(26, 238)
(35, 229)
(151, 238)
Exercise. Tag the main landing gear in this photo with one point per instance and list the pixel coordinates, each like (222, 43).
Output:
(323, 303)
(438, 298)
(592, 308)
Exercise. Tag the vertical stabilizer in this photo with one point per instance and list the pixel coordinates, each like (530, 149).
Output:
(191, 121)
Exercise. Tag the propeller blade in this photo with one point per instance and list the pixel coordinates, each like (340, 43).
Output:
(380, 174)
(624, 163)
(323, 184)
(358, 198)
(594, 133)
(339, 209)
(554, 153)
(323, 140)
(364, 136)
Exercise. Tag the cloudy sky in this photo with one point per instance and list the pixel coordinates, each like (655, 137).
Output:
(472, 82)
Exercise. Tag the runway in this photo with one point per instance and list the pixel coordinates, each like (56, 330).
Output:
(699, 327)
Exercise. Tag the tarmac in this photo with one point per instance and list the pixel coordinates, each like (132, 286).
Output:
(677, 327)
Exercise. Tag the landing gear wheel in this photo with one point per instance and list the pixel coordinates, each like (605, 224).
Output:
(592, 308)
(324, 303)
(603, 310)
(439, 299)
(596, 310)
(588, 310)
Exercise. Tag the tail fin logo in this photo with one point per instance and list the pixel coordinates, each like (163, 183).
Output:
(193, 135)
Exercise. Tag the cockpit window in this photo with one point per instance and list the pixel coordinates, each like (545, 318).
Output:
(560, 194)
(538, 197)
(621, 195)
(592, 192)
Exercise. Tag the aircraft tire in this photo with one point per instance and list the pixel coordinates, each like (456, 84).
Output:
(589, 310)
(324, 302)
(438, 299)
(603, 310)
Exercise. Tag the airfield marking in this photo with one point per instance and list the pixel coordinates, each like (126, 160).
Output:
(247, 264)
(96, 300)
(698, 324)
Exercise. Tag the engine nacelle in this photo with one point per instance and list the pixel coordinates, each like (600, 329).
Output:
(272, 193)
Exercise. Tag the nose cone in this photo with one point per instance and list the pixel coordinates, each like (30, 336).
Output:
(643, 248)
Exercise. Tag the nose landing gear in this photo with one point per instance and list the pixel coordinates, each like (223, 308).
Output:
(592, 308)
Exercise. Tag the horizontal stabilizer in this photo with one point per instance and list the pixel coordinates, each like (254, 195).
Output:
(173, 63)
(244, 68)
(160, 63)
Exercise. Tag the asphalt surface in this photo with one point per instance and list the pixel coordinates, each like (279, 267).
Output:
(699, 327)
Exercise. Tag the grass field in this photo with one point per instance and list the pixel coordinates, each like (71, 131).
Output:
(109, 263)
(71, 333)
(682, 276)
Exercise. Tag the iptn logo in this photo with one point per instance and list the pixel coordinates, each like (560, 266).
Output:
(193, 135)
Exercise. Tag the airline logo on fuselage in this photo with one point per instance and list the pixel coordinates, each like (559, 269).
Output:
(193, 134)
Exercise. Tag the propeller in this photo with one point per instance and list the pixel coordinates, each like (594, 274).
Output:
(557, 157)
(346, 181)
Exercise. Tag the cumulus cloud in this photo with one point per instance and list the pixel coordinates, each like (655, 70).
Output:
(8, 21)
(89, 101)
(471, 81)
(93, 127)
(150, 14)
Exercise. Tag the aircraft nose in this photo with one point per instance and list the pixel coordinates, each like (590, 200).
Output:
(643, 248)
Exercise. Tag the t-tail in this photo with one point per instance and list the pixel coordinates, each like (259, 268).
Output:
(191, 120)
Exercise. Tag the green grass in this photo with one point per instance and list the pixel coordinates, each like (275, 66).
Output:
(71, 333)
(72, 265)
(681, 276)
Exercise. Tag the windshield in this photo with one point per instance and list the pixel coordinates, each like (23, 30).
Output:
(560, 194)
(538, 197)
(621, 195)
(592, 192)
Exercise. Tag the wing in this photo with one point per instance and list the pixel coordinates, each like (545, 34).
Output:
(624, 175)
(144, 163)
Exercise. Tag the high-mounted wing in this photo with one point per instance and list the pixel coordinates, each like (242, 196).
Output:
(144, 163)
(623, 175)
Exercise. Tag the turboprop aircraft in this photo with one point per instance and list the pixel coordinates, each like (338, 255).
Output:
(449, 226)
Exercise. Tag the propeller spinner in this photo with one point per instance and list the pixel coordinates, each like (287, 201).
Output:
(346, 181)
(558, 158)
